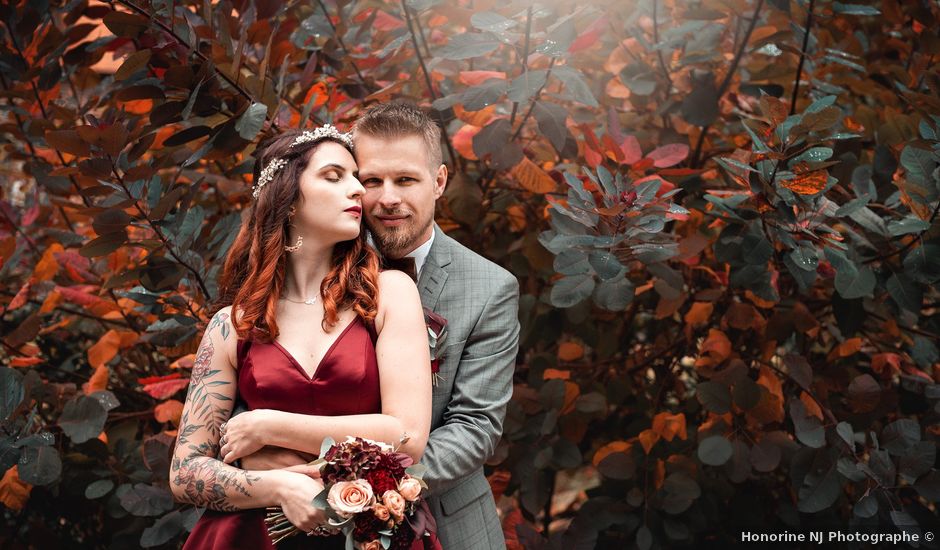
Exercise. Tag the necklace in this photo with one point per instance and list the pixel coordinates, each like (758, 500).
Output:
(308, 301)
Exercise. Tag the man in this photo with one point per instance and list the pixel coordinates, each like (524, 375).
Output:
(398, 150)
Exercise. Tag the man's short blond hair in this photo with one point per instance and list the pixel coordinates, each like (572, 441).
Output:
(399, 119)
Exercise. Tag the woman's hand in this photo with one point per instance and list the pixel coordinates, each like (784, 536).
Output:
(243, 434)
(296, 499)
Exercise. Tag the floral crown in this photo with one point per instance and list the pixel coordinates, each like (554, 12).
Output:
(323, 132)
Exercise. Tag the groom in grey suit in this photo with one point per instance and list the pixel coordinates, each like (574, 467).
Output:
(399, 155)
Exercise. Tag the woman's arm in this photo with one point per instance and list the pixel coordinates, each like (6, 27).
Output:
(404, 377)
(196, 476)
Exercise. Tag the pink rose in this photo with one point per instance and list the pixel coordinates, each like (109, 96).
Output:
(410, 488)
(395, 503)
(371, 545)
(380, 511)
(348, 498)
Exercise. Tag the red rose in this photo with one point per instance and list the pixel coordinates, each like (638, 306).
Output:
(381, 480)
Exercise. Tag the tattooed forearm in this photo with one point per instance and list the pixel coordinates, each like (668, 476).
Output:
(201, 385)
(196, 475)
(209, 482)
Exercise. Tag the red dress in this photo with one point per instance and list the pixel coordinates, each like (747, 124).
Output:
(345, 382)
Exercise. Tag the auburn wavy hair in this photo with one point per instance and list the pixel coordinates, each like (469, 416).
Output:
(253, 275)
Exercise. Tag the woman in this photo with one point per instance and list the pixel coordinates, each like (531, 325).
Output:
(313, 339)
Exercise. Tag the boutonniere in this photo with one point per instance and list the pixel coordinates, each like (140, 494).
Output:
(437, 334)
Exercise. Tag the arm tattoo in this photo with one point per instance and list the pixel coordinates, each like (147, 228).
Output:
(206, 480)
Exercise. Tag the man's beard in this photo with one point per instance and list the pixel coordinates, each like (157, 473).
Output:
(395, 242)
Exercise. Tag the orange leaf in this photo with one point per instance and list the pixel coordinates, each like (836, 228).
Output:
(811, 406)
(98, 380)
(809, 183)
(570, 351)
(50, 303)
(532, 178)
(21, 297)
(717, 345)
(670, 425)
(184, 362)
(572, 391)
(553, 374)
(659, 473)
(104, 349)
(463, 141)
(770, 407)
(699, 313)
(744, 316)
(14, 492)
(47, 267)
(168, 411)
(846, 348)
(474, 78)
(612, 447)
(886, 364)
(648, 438)
(322, 95)
(25, 361)
(475, 118)
(517, 217)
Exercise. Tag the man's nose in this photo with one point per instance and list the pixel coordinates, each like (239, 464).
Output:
(389, 196)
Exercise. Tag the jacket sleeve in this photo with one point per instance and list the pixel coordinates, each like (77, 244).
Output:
(473, 419)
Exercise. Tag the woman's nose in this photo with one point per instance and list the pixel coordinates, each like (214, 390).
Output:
(356, 189)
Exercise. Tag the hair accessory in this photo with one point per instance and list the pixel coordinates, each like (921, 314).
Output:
(267, 174)
(325, 131)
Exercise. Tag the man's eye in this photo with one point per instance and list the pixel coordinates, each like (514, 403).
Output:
(406, 179)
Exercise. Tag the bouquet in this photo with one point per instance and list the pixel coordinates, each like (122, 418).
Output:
(372, 494)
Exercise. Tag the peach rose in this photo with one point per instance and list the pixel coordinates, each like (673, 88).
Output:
(348, 498)
(371, 545)
(380, 511)
(410, 488)
(395, 503)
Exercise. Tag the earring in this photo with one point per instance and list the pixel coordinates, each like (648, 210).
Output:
(290, 215)
(296, 247)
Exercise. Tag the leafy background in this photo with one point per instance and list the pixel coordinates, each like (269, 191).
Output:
(723, 215)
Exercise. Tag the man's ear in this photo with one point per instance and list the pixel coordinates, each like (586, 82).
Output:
(440, 181)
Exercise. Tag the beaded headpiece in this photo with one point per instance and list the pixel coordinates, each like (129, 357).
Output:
(323, 132)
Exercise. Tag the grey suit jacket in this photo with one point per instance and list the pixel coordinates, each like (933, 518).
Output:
(480, 301)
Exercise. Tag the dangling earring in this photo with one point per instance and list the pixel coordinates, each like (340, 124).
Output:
(296, 247)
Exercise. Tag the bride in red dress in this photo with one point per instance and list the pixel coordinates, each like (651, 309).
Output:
(313, 340)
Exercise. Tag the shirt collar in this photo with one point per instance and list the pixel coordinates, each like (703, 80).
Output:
(420, 254)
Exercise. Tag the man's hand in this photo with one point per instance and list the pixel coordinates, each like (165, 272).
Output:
(275, 458)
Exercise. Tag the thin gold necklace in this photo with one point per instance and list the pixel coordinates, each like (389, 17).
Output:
(308, 301)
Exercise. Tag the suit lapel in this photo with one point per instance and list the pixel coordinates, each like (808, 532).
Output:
(433, 274)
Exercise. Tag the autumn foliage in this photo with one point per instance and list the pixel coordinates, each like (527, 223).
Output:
(723, 216)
